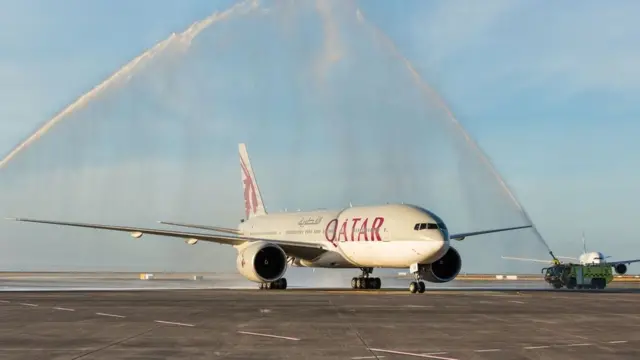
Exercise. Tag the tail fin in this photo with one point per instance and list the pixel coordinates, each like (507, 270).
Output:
(253, 204)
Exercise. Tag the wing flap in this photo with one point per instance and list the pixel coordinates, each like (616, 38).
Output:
(203, 227)
(137, 232)
(461, 236)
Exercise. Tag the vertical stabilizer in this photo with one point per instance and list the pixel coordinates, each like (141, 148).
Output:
(253, 204)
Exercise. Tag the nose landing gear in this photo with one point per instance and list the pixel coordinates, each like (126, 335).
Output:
(364, 281)
(417, 286)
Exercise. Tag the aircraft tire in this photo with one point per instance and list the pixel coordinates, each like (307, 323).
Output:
(421, 287)
(413, 287)
(354, 283)
(377, 284)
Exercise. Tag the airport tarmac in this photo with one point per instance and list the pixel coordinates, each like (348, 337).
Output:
(320, 324)
(68, 281)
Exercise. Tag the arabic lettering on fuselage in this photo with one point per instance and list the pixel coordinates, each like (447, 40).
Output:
(310, 221)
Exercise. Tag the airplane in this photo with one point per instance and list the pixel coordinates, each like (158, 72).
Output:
(364, 237)
(587, 258)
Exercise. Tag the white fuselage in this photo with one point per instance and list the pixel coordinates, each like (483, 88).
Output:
(390, 236)
(594, 257)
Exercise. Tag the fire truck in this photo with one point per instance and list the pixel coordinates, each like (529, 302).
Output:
(578, 276)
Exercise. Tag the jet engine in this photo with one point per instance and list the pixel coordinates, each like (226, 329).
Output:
(261, 262)
(621, 269)
(444, 269)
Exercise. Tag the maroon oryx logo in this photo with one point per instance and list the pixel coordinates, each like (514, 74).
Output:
(250, 196)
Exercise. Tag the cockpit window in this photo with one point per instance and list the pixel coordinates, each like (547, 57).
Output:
(423, 226)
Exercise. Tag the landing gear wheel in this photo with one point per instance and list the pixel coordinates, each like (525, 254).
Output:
(421, 287)
(413, 287)
(364, 281)
(282, 284)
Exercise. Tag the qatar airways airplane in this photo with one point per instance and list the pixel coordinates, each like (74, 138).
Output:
(587, 258)
(364, 237)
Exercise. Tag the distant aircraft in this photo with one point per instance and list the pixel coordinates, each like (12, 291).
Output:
(587, 258)
(365, 237)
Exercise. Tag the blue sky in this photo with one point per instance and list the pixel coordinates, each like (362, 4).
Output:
(549, 92)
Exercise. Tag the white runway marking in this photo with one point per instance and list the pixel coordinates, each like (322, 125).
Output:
(487, 350)
(5, 301)
(110, 315)
(537, 347)
(579, 345)
(412, 354)
(618, 342)
(63, 309)
(366, 357)
(436, 353)
(268, 335)
(173, 323)
(517, 302)
(28, 304)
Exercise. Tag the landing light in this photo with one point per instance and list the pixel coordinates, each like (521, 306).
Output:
(136, 234)
(191, 241)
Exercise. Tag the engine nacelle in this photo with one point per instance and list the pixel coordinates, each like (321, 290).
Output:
(621, 269)
(262, 262)
(444, 269)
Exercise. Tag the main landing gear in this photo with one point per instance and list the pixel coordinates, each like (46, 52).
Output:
(364, 281)
(280, 284)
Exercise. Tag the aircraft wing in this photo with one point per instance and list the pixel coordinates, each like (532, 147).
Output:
(626, 262)
(302, 250)
(203, 227)
(527, 259)
(461, 236)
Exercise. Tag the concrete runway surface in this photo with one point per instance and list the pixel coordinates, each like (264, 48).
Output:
(320, 324)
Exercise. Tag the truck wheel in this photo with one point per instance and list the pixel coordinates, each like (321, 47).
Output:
(572, 283)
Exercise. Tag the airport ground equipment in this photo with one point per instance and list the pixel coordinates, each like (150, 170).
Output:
(578, 276)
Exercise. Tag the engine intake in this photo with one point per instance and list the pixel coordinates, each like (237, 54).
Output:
(262, 262)
(444, 269)
(621, 269)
